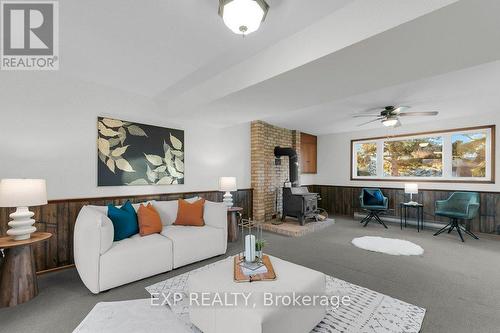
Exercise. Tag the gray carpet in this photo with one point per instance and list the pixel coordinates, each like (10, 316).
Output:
(458, 283)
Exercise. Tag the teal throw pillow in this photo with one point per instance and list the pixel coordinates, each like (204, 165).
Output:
(124, 221)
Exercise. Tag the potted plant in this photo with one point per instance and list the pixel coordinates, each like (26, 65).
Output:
(259, 246)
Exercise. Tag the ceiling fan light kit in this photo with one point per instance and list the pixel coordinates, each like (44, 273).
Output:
(389, 116)
(243, 16)
(390, 122)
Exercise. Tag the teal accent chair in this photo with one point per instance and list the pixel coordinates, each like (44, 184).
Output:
(373, 201)
(459, 206)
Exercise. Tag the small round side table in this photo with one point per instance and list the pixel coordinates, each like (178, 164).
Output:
(18, 282)
(232, 223)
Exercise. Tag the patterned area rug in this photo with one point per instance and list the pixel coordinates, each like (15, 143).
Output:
(134, 316)
(369, 311)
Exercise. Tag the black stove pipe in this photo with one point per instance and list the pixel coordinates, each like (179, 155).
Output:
(293, 163)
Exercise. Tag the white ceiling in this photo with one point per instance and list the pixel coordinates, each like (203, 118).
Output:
(469, 92)
(357, 21)
(162, 46)
(310, 66)
(320, 96)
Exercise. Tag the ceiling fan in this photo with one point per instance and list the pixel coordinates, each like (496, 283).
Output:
(389, 116)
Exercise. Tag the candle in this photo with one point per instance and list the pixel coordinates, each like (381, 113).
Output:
(249, 248)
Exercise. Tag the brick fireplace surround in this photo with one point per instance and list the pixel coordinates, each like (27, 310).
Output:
(267, 177)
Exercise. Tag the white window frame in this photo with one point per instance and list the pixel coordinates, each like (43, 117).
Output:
(354, 163)
(447, 156)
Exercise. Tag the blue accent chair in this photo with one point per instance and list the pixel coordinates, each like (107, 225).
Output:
(374, 203)
(459, 206)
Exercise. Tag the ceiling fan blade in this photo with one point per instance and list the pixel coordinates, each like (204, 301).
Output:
(428, 113)
(371, 121)
(375, 109)
(359, 115)
(401, 108)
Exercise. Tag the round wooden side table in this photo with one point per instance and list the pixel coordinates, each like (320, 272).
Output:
(232, 223)
(18, 275)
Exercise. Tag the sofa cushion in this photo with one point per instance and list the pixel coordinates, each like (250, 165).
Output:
(215, 214)
(124, 221)
(104, 209)
(107, 234)
(133, 259)
(149, 220)
(168, 209)
(100, 209)
(137, 205)
(191, 244)
(190, 214)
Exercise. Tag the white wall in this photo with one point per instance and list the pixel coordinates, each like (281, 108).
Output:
(48, 130)
(307, 179)
(334, 154)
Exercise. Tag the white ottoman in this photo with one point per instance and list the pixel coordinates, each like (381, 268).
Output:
(260, 319)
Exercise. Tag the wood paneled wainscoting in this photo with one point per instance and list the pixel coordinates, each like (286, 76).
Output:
(344, 201)
(59, 216)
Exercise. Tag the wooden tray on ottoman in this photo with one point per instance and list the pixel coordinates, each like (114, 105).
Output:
(240, 277)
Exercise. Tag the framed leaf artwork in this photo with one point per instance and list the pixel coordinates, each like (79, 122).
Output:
(138, 154)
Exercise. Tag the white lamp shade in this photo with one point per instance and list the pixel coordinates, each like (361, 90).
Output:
(23, 192)
(243, 16)
(411, 188)
(227, 184)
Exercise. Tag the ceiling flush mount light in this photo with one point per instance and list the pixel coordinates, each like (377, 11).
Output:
(243, 16)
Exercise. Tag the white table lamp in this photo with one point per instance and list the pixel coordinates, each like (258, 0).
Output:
(22, 193)
(411, 189)
(227, 184)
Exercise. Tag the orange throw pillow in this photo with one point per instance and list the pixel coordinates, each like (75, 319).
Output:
(190, 214)
(149, 220)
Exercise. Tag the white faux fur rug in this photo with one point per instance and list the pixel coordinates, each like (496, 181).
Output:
(395, 247)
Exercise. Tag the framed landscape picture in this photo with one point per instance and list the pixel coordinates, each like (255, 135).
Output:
(138, 154)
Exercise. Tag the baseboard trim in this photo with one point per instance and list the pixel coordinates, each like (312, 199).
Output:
(56, 269)
(396, 220)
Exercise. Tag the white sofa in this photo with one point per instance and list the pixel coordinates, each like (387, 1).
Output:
(103, 264)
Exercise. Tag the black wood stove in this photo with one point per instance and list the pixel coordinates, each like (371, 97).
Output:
(297, 201)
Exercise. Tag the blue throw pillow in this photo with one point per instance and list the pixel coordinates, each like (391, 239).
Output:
(373, 198)
(379, 197)
(124, 221)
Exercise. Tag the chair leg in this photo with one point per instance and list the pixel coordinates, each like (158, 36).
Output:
(455, 225)
(380, 220)
(443, 229)
(364, 219)
(470, 233)
(460, 234)
(370, 217)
